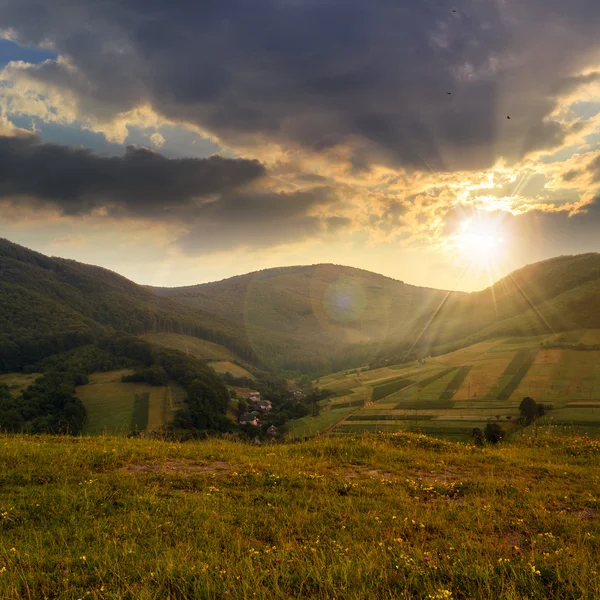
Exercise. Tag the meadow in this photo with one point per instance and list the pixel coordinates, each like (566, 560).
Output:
(120, 408)
(224, 366)
(201, 349)
(369, 516)
(17, 382)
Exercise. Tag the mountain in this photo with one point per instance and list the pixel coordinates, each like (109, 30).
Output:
(48, 305)
(559, 294)
(315, 318)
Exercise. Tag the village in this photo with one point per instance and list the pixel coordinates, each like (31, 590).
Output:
(259, 408)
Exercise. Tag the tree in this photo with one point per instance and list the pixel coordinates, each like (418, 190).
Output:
(493, 433)
(529, 410)
(478, 438)
(242, 406)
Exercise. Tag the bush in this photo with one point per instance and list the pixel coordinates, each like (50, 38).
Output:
(493, 433)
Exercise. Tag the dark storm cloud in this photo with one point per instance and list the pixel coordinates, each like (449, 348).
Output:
(553, 233)
(139, 183)
(260, 220)
(210, 198)
(407, 83)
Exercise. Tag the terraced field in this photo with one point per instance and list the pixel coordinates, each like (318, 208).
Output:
(451, 394)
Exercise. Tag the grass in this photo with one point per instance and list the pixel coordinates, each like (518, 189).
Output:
(190, 345)
(389, 387)
(17, 382)
(374, 516)
(222, 367)
(118, 408)
(141, 406)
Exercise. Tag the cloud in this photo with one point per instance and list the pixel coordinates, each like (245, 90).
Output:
(369, 80)
(261, 220)
(141, 183)
(216, 204)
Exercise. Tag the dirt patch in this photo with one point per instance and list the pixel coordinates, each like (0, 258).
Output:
(513, 542)
(585, 513)
(373, 473)
(178, 467)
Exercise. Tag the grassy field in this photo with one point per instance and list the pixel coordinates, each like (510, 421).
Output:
(190, 345)
(221, 367)
(17, 382)
(478, 384)
(118, 408)
(353, 517)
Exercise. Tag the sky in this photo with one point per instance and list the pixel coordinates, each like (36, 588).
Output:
(444, 144)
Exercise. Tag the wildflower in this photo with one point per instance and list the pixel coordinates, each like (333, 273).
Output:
(83, 558)
(278, 560)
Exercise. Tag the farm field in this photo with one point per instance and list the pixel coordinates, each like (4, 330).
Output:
(448, 395)
(118, 408)
(190, 345)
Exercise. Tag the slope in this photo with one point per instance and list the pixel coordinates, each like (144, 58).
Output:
(558, 294)
(48, 305)
(318, 317)
(450, 394)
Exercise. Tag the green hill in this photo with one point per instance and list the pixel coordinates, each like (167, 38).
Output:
(560, 294)
(314, 318)
(48, 305)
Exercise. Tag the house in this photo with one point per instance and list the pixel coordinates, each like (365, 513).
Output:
(249, 419)
(272, 430)
(254, 396)
(264, 405)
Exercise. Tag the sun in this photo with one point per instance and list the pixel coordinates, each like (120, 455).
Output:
(480, 242)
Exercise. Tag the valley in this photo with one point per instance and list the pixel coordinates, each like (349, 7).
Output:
(387, 356)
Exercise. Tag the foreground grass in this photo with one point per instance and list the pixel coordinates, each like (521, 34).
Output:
(375, 516)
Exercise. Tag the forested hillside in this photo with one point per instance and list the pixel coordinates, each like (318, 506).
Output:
(49, 305)
(318, 317)
(559, 294)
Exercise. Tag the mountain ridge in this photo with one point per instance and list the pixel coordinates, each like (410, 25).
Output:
(309, 318)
